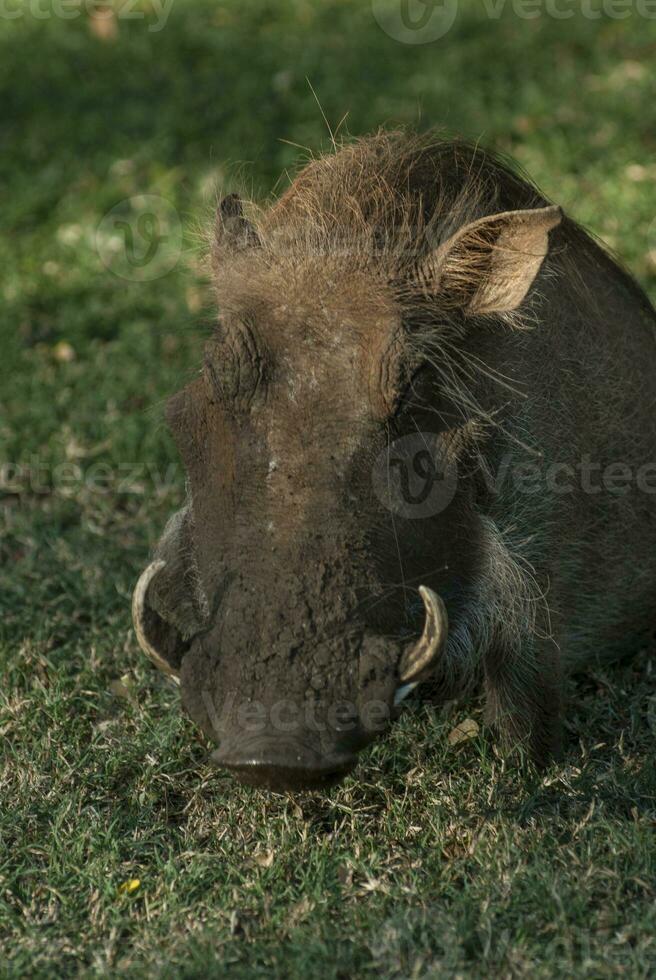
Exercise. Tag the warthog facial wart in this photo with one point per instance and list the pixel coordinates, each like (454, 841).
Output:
(421, 450)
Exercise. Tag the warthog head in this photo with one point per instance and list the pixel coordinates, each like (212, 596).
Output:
(295, 596)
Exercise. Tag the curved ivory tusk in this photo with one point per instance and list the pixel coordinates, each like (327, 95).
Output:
(419, 657)
(138, 606)
(403, 691)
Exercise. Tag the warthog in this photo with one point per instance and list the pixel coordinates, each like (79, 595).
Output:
(421, 448)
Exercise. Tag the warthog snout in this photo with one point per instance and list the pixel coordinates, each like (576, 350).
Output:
(280, 764)
(290, 728)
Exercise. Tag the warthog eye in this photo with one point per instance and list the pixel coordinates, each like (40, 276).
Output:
(233, 367)
(393, 371)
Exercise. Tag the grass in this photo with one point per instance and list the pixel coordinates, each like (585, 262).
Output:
(433, 860)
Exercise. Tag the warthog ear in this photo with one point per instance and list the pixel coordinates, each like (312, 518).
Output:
(231, 229)
(489, 265)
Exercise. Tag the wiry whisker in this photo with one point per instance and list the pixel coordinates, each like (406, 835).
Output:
(394, 531)
(403, 585)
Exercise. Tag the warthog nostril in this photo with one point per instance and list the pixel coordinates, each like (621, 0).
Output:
(280, 778)
(288, 767)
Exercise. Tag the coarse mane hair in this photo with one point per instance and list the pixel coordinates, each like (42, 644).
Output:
(380, 204)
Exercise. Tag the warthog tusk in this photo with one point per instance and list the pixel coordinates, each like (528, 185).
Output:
(422, 654)
(402, 692)
(138, 617)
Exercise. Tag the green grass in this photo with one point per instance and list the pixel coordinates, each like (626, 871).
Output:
(432, 860)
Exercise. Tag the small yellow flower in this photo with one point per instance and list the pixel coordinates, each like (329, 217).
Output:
(129, 887)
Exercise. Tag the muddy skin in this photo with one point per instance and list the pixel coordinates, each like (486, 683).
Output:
(404, 292)
(308, 668)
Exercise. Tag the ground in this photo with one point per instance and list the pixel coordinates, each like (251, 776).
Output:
(122, 851)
